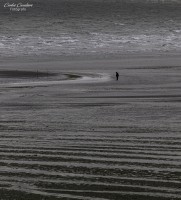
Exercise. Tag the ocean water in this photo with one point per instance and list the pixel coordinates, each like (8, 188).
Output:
(70, 27)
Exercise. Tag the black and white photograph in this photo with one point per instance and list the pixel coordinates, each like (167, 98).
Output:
(90, 99)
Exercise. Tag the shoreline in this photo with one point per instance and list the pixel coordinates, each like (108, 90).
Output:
(54, 67)
(90, 64)
(49, 57)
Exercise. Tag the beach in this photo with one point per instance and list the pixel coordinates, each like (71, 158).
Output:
(74, 132)
(68, 128)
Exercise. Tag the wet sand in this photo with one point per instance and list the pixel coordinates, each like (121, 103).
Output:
(92, 137)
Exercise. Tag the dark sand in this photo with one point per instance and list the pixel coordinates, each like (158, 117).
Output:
(92, 137)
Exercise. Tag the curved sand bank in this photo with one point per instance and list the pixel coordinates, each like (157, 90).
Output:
(16, 78)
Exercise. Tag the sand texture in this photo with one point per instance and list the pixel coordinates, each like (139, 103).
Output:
(80, 134)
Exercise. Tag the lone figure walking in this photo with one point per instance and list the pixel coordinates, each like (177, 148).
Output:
(117, 76)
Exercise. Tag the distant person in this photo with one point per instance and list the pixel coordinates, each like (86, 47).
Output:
(117, 76)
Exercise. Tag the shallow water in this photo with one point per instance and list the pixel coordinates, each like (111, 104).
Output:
(99, 140)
